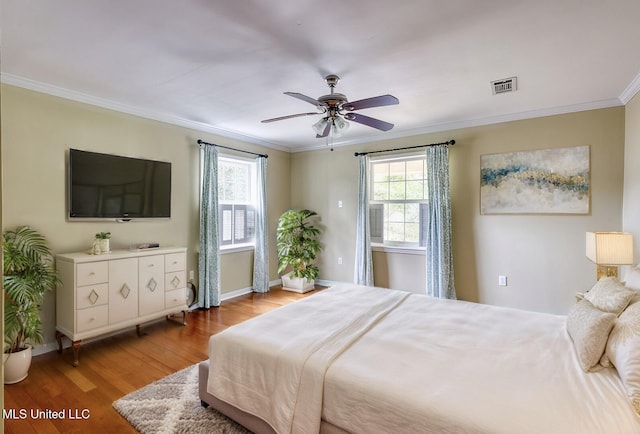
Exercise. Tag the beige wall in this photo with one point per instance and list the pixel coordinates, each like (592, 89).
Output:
(542, 255)
(37, 131)
(631, 209)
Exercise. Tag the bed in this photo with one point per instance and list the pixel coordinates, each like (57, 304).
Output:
(372, 360)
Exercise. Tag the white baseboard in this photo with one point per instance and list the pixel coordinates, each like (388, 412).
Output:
(328, 282)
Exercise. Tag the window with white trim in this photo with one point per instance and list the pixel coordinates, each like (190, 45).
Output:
(237, 187)
(398, 200)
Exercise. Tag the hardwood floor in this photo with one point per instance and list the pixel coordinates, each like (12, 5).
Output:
(115, 366)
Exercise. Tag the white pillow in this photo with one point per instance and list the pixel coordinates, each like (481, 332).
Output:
(589, 329)
(623, 350)
(609, 295)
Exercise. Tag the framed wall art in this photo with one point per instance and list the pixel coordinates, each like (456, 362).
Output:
(547, 181)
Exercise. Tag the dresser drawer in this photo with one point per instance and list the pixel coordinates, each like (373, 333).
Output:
(92, 318)
(93, 295)
(91, 273)
(175, 298)
(174, 262)
(175, 280)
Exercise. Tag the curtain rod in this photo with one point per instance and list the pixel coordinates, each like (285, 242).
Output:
(202, 142)
(450, 143)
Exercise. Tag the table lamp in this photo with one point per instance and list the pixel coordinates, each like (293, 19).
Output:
(608, 250)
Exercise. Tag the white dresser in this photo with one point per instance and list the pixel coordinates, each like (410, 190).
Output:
(104, 293)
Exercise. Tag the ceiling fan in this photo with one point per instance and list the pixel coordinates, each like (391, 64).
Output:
(334, 106)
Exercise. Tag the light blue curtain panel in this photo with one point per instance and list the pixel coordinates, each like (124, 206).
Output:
(439, 255)
(363, 271)
(261, 252)
(209, 259)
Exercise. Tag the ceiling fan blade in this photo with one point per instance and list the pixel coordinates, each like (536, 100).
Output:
(304, 98)
(325, 133)
(376, 101)
(281, 118)
(368, 121)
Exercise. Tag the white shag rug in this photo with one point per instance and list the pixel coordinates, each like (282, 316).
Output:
(172, 405)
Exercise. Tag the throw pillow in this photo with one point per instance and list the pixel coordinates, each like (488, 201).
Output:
(623, 350)
(589, 329)
(609, 295)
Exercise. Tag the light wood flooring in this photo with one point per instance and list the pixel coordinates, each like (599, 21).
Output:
(115, 366)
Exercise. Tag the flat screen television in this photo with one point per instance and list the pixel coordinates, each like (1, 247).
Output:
(114, 187)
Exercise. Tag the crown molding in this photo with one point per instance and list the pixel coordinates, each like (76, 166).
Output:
(73, 95)
(631, 90)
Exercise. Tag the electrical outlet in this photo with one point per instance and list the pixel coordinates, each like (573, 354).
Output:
(339, 204)
(339, 260)
(502, 280)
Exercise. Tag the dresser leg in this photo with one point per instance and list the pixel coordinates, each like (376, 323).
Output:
(76, 350)
(138, 332)
(184, 318)
(59, 339)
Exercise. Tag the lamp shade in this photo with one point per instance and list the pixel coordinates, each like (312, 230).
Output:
(610, 248)
(319, 126)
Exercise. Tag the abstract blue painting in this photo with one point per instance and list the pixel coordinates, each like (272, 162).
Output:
(547, 181)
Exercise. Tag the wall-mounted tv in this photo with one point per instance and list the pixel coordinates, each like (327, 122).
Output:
(114, 187)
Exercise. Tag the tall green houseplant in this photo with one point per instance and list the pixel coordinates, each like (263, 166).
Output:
(28, 274)
(297, 243)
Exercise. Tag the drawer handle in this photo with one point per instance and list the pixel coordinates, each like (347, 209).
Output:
(152, 284)
(175, 262)
(93, 296)
(93, 318)
(124, 291)
(151, 265)
(92, 273)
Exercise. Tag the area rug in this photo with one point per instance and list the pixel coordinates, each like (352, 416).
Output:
(172, 405)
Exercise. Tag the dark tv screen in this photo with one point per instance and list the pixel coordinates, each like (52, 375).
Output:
(104, 186)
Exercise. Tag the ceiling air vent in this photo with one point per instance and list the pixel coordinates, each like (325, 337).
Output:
(505, 85)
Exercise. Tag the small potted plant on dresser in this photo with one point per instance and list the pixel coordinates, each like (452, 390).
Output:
(28, 274)
(297, 247)
(101, 243)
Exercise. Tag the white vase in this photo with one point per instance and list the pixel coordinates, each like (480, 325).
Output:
(16, 365)
(104, 245)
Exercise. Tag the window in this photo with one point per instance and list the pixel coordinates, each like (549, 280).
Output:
(236, 198)
(398, 200)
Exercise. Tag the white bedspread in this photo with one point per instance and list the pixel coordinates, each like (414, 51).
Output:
(442, 366)
(273, 366)
(373, 360)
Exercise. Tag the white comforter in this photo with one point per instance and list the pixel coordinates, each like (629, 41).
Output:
(273, 366)
(373, 360)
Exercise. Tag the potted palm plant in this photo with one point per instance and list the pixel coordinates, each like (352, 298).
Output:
(28, 274)
(297, 247)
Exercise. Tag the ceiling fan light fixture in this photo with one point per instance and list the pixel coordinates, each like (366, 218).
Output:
(339, 126)
(320, 126)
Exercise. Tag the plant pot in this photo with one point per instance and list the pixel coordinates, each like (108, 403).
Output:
(104, 245)
(297, 284)
(16, 365)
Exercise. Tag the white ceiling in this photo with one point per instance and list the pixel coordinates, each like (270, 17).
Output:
(222, 66)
